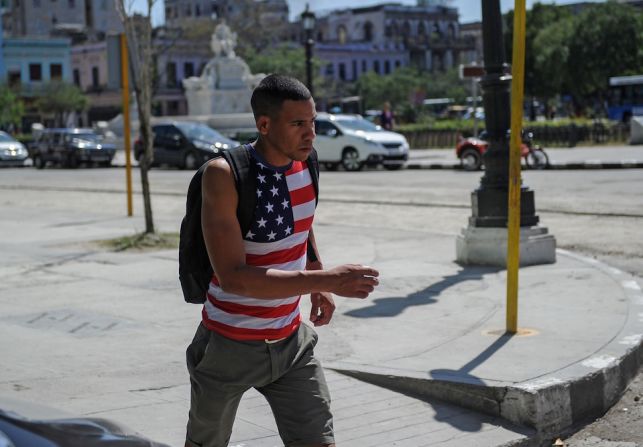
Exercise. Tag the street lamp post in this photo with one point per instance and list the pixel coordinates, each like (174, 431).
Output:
(481, 242)
(308, 21)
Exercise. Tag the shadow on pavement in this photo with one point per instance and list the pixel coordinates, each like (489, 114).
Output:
(392, 306)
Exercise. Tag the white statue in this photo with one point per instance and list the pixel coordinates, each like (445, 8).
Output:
(223, 41)
(226, 84)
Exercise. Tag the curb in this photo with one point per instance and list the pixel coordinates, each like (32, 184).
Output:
(551, 404)
(625, 164)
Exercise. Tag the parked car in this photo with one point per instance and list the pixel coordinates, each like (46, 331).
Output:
(185, 144)
(355, 142)
(69, 147)
(19, 431)
(12, 152)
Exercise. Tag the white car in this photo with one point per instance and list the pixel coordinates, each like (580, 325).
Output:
(354, 142)
(12, 152)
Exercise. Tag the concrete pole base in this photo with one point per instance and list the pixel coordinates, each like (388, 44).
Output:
(488, 246)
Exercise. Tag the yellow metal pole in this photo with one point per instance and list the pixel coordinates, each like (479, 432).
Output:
(513, 224)
(126, 122)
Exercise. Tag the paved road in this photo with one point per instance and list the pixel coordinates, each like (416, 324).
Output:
(583, 210)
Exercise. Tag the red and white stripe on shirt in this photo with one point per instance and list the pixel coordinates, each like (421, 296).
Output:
(247, 318)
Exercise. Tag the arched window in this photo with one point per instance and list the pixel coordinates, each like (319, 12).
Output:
(421, 32)
(341, 34)
(406, 32)
(368, 32)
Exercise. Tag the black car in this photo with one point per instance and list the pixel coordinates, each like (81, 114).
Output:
(185, 144)
(70, 147)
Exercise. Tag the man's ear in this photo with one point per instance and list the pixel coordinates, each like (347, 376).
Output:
(263, 124)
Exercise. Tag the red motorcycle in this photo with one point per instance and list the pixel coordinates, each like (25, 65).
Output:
(470, 151)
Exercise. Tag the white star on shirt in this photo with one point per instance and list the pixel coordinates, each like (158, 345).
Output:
(277, 175)
(288, 230)
(284, 204)
(274, 191)
(250, 235)
(261, 165)
(261, 178)
(280, 220)
(262, 222)
(258, 193)
(269, 207)
(271, 236)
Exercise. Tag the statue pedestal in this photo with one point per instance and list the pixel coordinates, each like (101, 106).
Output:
(488, 246)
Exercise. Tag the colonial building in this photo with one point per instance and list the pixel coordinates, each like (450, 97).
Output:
(27, 64)
(46, 17)
(383, 37)
(270, 11)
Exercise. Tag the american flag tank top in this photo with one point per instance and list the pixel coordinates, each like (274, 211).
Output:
(277, 239)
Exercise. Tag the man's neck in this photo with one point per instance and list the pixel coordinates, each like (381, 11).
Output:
(270, 153)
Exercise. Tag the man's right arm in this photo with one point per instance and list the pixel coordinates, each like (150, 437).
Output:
(224, 243)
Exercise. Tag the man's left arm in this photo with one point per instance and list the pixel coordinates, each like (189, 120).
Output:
(323, 305)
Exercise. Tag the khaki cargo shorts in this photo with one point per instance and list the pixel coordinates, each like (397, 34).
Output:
(285, 372)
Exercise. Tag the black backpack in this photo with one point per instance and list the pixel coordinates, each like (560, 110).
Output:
(195, 270)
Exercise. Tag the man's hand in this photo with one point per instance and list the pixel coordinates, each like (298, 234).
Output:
(353, 280)
(323, 308)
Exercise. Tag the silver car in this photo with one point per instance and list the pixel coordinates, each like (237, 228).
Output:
(12, 152)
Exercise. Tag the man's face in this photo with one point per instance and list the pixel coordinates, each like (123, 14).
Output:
(292, 131)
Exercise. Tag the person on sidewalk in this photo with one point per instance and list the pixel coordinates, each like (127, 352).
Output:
(387, 119)
(251, 334)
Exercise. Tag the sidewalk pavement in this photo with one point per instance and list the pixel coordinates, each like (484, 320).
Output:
(580, 157)
(423, 361)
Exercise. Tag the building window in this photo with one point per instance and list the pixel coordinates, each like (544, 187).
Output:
(168, 12)
(368, 32)
(197, 11)
(342, 71)
(387, 67)
(364, 67)
(72, 4)
(354, 70)
(14, 79)
(398, 64)
(330, 69)
(320, 36)
(76, 77)
(95, 78)
(56, 72)
(170, 74)
(376, 67)
(341, 34)
(188, 69)
(35, 72)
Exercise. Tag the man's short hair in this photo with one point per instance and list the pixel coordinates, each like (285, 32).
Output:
(272, 91)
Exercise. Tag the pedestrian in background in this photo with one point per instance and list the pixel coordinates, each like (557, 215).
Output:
(251, 335)
(387, 120)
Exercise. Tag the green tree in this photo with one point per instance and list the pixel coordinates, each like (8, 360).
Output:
(607, 41)
(11, 108)
(60, 99)
(539, 18)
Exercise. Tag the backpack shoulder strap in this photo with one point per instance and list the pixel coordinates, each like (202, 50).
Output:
(242, 166)
(313, 166)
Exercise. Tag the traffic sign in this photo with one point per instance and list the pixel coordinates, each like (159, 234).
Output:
(471, 71)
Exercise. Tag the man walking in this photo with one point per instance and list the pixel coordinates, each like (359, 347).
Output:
(251, 335)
